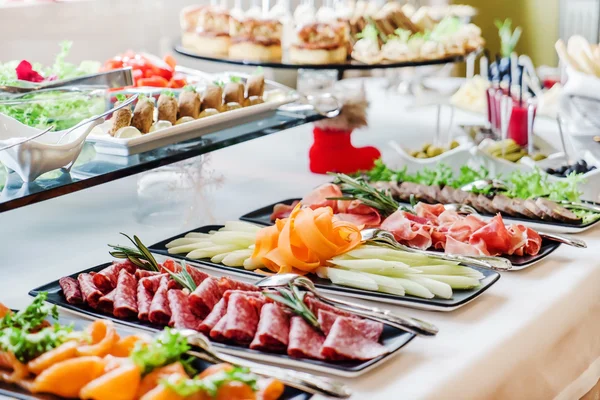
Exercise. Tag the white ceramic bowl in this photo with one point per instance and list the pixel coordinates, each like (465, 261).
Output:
(36, 157)
(454, 158)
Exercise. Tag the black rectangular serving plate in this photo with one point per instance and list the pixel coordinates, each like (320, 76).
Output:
(16, 392)
(263, 217)
(461, 297)
(392, 338)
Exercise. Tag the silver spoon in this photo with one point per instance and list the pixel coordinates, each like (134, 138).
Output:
(460, 208)
(575, 242)
(488, 262)
(577, 205)
(300, 380)
(27, 139)
(409, 324)
(95, 117)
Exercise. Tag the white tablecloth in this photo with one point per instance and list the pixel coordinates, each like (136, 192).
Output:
(534, 335)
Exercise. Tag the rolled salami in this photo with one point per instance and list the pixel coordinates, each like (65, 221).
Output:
(255, 85)
(234, 93)
(120, 118)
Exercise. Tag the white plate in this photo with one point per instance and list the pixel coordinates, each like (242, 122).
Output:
(454, 158)
(194, 129)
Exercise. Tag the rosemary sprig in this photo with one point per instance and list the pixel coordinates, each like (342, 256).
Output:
(183, 277)
(293, 299)
(355, 189)
(140, 255)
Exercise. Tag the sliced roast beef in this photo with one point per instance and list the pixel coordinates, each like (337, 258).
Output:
(460, 196)
(447, 195)
(534, 209)
(519, 206)
(557, 212)
(504, 205)
(487, 204)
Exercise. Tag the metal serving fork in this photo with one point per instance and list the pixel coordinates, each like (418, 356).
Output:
(409, 324)
(310, 383)
(385, 237)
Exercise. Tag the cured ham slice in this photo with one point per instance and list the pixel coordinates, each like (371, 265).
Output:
(370, 329)
(106, 280)
(453, 246)
(215, 316)
(462, 229)
(345, 342)
(205, 297)
(358, 213)
(181, 314)
(318, 197)
(281, 211)
(495, 236)
(70, 288)
(272, 333)
(241, 319)
(125, 305)
(89, 291)
(534, 242)
(160, 312)
(304, 341)
(429, 211)
(107, 302)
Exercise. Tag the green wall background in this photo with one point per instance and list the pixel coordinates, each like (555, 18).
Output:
(538, 18)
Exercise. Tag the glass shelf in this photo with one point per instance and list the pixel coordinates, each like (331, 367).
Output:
(92, 169)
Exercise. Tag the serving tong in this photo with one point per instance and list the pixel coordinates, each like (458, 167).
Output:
(116, 78)
(409, 324)
(384, 237)
(313, 384)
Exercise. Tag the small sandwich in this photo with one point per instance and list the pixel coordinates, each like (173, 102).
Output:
(320, 43)
(255, 39)
(209, 36)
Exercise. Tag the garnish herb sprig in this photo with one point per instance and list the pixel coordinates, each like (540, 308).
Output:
(140, 255)
(183, 277)
(293, 299)
(357, 189)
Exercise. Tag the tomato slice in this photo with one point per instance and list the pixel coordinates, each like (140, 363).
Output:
(177, 83)
(169, 59)
(155, 81)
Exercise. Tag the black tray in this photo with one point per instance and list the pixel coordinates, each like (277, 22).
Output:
(17, 392)
(394, 339)
(460, 298)
(262, 216)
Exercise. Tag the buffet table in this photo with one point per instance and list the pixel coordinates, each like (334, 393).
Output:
(533, 335)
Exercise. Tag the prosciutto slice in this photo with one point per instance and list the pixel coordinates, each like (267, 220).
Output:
(304, 340)
(429, 211)
(243, 313)
(405, 229)
(318, 197)
(125, 305)
(453, 246)
(495, 236)
(160, 312)
(346, 342)
(281, 211)
(272, 333)
(71, 291)
(181, 314)
(89, 291)
(370, 329)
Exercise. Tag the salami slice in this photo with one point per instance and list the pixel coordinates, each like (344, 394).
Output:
(232, 284)
(70, 288)
(152, 282)
(89, 291)
(305, 341)
(315, 305)
(181, 314)
(125, 304)
(170, 265)
(144, 299)
(107, 302)
(243, 313)
(106, 280)
(345, 342)
(216, 333)
(160, 313)
(215, 315)
(272, 333)
(197, 275)
(370, 329)
(205, 297)
(142, 273)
